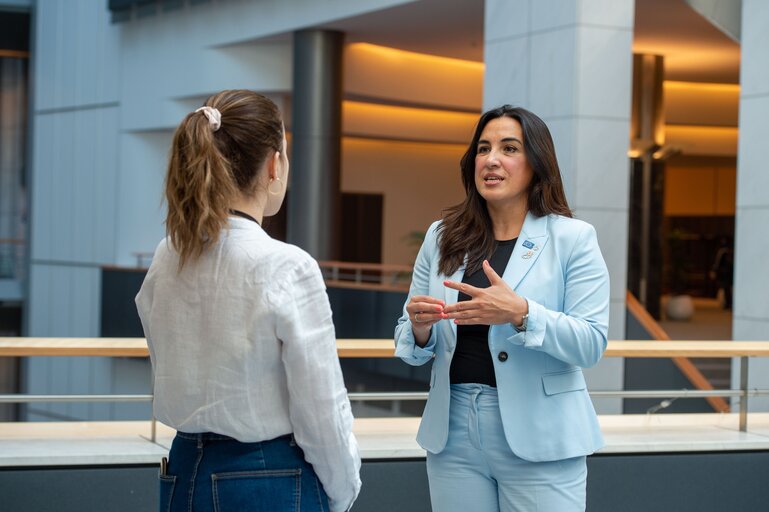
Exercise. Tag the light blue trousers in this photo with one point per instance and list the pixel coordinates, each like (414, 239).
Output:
(478, 472)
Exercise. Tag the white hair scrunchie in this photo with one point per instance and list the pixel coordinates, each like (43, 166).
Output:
(213, 115)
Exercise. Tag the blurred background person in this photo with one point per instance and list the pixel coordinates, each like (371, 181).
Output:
(722, 271)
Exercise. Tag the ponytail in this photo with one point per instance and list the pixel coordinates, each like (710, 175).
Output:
(210, 165)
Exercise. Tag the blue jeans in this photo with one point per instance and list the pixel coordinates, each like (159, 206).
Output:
(478, 472)
(212, 472)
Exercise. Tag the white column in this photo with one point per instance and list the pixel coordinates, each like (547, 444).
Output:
(751, 274)
(570, 62)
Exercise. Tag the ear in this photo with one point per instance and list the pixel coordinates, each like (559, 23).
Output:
(273, 165)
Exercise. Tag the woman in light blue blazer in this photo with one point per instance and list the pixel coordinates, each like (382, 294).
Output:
(509, 300)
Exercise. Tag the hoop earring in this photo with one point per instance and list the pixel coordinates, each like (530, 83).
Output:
(271, 191)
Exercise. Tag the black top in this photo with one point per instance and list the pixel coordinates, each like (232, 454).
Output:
(472, 363)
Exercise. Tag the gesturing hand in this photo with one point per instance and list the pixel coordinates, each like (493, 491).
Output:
(424, 311)
(497, 304)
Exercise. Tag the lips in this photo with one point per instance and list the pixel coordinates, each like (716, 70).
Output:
(492, 179)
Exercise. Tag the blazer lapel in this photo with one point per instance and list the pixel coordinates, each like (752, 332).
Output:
(531, 241)
(451, 295)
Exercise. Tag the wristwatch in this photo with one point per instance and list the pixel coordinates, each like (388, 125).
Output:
(524, 323)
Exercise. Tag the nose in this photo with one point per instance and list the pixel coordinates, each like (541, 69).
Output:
(492, 159)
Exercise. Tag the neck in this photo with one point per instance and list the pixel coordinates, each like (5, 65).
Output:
(252, 206)
(507, 219)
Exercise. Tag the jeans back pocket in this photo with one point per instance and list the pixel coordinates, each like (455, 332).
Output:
(257, 491)
(167, 484)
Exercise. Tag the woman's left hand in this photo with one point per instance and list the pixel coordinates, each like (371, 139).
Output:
(497, 304)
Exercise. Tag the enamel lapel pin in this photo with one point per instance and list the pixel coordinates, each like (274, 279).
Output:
(531, 249)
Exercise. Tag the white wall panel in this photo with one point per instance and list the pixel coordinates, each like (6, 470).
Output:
(751, 244)
(236, 21)
(74, 186)
(551, 67)
(76, 54)
(158, 80)
(510, 84)
(64, 300)
(754, 77)
(505, 20)
(603, 60)
(141, 207)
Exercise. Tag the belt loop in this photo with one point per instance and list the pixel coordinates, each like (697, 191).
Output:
(200, 441)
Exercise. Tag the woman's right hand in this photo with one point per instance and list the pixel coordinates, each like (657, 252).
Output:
(424, 311)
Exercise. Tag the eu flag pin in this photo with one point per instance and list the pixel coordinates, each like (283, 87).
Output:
(527, 244)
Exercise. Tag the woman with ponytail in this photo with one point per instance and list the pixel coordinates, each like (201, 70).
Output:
(239, 329)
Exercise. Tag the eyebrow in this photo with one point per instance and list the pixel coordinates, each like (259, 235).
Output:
(506, 139)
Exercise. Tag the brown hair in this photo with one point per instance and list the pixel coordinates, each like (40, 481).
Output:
(208, 168)
(466, 229)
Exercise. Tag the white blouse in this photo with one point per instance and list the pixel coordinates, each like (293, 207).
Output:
(242, 344)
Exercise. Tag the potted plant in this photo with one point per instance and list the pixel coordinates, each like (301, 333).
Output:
(680, 306)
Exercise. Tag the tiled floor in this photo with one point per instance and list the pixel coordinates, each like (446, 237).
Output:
(710, 322)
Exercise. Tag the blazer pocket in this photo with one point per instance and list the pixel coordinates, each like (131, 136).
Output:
(562, 382)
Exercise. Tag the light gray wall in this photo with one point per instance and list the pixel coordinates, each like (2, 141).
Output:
(751, 278)
(571, 64)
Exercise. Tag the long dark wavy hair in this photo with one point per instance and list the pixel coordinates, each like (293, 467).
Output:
(466, 229)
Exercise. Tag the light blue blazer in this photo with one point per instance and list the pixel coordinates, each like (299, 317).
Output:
(546, 410)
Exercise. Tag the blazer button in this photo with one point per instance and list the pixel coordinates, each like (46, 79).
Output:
(502, 356)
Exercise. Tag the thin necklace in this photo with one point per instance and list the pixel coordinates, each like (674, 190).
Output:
(238, 213)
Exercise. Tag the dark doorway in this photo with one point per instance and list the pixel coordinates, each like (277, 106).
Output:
(361, 227)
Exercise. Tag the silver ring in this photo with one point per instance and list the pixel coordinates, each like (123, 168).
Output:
(416, 318)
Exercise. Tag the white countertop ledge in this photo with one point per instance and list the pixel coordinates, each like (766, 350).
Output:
(128, 442)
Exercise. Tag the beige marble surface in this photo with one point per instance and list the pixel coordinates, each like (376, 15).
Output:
(99, 443)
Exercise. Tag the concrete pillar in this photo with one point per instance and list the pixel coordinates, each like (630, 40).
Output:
(314, 204)
(571, 63)
(751, 276)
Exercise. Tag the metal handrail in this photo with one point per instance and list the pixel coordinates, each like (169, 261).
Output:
(743, 394)
(136, 347)
(373, 396)
(657, 393)
(24, 399)
(684, 364)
